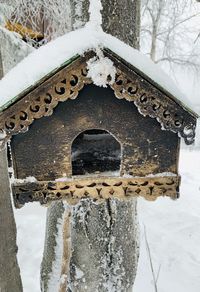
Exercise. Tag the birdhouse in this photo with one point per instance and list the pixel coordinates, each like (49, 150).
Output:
(98, 126)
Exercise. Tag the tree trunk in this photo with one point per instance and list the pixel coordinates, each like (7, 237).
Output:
(122, 20)
(103, 236)
(9, 270)
(12, 51)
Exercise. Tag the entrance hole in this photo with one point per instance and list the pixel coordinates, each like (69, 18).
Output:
(96, 152)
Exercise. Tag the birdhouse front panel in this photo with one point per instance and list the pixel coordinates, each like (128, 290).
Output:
(46, 150)
(72, 139)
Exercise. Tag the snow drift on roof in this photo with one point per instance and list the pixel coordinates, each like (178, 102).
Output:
(52, 55)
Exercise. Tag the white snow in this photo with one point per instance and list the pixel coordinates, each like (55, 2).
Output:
(95, 20)
(172, 229)
(29, 179)
(55, 278)
(2, 135)
(101, 70)
(52, 55)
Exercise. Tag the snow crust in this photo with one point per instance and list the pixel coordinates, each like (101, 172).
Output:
(52, 55)
(55, 278)
(95, 20)
(29, 179)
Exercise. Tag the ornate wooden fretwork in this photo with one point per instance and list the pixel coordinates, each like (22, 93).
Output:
(67, 83)
(98, 189)
(41, 101)
(153, 102)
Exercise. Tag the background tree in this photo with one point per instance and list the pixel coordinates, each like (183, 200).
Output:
(49, 17)
(168, 32)
(12, 51)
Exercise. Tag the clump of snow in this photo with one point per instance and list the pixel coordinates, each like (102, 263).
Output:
(29, 179)
(101, 70)
(62, 179)
(161, 174)
(79, 273)
(2, 135)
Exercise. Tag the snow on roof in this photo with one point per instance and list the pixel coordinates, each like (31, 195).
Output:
(52, 55)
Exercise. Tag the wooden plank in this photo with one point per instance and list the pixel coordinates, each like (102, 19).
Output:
(10, 279)
(99, 188)
(146, 149)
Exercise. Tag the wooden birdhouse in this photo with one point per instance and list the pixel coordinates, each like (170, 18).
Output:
(71, 138)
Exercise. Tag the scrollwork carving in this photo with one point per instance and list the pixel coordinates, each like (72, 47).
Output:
(128, 84)
(154, 104)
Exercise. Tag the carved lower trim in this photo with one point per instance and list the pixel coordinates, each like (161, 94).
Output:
(97, 189)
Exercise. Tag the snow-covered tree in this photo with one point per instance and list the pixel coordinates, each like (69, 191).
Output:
(49, 17)
(168, 32)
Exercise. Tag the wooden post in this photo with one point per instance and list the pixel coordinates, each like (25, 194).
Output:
(10, 279)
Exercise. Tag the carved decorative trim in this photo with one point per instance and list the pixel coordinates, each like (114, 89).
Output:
(67, 83)
(98, 189)
(39, 103)
(150, 102)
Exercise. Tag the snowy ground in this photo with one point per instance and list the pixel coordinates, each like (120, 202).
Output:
(172, 232)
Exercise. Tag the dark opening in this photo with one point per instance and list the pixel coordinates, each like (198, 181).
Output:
(94, 152)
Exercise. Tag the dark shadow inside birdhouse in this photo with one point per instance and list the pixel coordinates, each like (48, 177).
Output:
(96, 152)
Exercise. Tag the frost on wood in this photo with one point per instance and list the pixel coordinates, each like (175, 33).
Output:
(101, 70)
(105, 247)
(13, 49)
(102, 258)
(10, 279)
(60, 266)
(51, 263)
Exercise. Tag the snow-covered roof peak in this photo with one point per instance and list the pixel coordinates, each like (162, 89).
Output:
(52, 55)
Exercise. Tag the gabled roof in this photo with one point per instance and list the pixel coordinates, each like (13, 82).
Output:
(138, 80)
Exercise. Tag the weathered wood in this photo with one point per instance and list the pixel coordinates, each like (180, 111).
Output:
(9, 270)
(97, 189)
(10, 279)
(146, 148)
(105, 248)
(54, 218)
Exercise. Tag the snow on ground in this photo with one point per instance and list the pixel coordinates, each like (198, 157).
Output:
(173, 234)
(172, 231)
